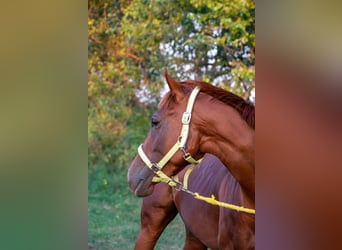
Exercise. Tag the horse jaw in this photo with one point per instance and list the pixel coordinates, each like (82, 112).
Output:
(141, 190)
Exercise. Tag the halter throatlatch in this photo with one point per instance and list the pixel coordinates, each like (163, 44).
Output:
(179, 145)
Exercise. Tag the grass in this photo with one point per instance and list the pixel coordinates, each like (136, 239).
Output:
(114, 216)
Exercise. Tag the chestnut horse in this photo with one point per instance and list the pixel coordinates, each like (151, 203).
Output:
(217, 127)
(159, 208)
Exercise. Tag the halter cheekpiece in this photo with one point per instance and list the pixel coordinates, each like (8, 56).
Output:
(179, 145)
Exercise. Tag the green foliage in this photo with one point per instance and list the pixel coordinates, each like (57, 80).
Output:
(130, 42)
(211, 37)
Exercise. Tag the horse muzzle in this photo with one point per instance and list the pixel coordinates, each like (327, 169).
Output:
(140, 178)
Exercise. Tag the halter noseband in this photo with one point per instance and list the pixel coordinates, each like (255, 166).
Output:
(179, 145)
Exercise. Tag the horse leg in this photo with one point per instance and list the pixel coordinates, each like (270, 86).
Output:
(157, 211)
(242, 232)
(192, 243)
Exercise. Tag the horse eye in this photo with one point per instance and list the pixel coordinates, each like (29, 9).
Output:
(154, 122)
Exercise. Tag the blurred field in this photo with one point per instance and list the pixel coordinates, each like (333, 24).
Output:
(114, 215)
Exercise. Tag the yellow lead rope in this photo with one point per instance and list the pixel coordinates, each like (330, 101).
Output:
(184, 187)
(213, 201)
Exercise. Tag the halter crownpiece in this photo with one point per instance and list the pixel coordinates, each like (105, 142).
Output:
(180, 143)
(186, 118)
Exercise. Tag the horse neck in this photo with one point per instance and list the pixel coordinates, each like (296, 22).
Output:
(226, 135)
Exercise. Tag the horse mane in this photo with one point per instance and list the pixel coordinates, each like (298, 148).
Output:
(245, 108)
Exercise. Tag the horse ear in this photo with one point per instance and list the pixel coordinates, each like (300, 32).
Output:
(174, 86)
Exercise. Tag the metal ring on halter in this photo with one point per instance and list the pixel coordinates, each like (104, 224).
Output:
(185, 154)
(155, 168)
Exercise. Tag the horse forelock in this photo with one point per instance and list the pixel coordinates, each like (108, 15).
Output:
(167, 101)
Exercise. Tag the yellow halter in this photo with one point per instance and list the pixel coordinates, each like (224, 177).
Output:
(179, 145)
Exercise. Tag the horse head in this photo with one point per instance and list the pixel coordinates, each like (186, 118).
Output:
(165, 133)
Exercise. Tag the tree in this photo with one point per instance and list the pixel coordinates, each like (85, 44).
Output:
(211, 40)
(130, 43)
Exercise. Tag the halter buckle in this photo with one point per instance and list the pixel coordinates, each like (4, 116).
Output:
(186, 118)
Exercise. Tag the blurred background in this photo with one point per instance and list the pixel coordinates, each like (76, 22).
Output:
(53, 122)
(129, 45)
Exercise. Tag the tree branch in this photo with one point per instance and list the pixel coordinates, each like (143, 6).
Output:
(114, 51)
